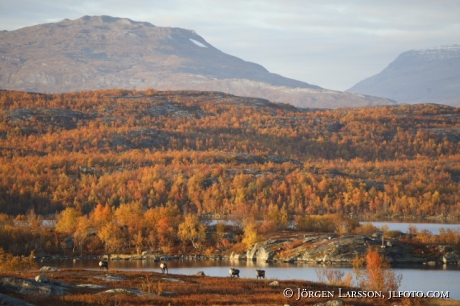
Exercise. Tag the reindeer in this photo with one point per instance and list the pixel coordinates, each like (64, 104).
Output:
(104, 264)
(234, 272)
(163, 267)
(260, 273)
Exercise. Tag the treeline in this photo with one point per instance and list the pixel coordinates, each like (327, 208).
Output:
(132, 229)
(215, 153)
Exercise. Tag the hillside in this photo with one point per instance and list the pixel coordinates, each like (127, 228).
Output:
(210, 152)
(429, 75)
(102, 52)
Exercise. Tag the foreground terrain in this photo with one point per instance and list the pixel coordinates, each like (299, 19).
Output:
(85, 287)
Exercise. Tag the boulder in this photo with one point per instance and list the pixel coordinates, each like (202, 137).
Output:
(274, 283)
(122, 291)
(41, 279)
(199, 273)
(48, 269)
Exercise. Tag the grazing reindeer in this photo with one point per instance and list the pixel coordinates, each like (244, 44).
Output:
(260, 273)
(234, 272)
(104, 264)
(163, 267)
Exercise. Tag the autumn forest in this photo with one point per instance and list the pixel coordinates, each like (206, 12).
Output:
(161, 156)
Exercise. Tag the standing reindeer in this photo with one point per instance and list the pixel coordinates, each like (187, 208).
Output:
(163, 267)
(260, 273)
(104, 264)
(234, 272)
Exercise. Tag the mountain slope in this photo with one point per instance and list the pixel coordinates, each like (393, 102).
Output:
(211, 152)
(106, 52)
(431, 75)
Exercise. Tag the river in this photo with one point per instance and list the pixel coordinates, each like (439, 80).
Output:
(415, 277)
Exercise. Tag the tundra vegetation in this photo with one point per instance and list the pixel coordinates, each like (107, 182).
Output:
(129, 171)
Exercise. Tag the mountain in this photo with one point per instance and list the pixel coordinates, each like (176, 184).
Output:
(100, 52)
(430, 75)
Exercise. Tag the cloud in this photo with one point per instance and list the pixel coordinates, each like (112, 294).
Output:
(333, 44)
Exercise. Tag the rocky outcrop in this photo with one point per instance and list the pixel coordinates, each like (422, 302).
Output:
(27, 286)
(6, 300)
(451, 258)
(260, 251)
(335, 250)
(342, 249)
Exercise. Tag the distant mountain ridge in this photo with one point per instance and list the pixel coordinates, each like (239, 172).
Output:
(428, 75)
(98, 52)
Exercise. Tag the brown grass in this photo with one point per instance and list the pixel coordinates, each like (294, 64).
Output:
(194, 290)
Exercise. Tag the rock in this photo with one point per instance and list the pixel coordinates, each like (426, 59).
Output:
(451, 257)
(41, 279)
(199, 273)
(6, 300)
(48, 269)
(260, 251)
(274, 283)
(122, 291)
(91, 286)
(444, 248)
(11, 284)
(110, 278)
(236, 256)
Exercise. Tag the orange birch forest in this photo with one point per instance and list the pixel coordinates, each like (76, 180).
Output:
(155, 156)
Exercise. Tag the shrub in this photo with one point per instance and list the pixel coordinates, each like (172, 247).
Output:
(373, 272)
(10, 263)
(334, 277)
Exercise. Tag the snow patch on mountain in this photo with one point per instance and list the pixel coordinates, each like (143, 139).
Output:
(197, 43)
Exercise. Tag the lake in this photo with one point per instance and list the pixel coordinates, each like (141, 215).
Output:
(404, 226)
(415, 277)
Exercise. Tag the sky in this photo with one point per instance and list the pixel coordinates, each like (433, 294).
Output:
(333, 44)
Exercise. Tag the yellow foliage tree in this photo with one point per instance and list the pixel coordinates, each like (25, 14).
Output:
(68, 220)
(192, 230)
(251, 234)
